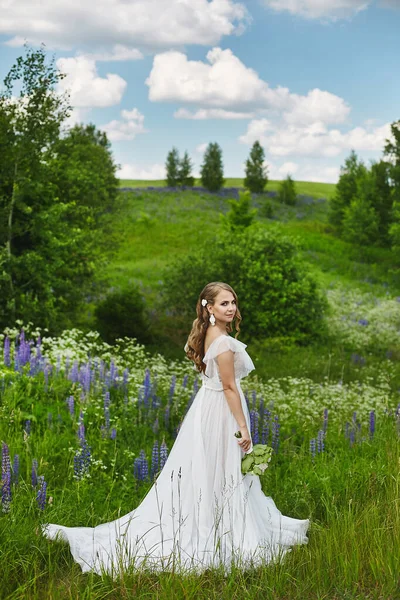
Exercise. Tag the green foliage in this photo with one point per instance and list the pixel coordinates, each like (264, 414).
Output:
(287, 193)
(49, 219)
(360, 223)
(212, 172)
(267, 210)
(185, 176)
(277, 294)
(346, 189)
(122, 313)
(256, 173)
(240, 215)
(172, 168)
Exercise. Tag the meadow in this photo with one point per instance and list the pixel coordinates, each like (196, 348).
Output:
(86, 426)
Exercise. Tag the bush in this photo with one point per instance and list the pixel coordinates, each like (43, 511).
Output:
(122, 313)
(277, 295)
(287, 192)
(241, 215)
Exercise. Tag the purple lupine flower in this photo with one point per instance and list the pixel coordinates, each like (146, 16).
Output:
(254, 399)
(107, 409)
(113, 433)
(74, 373)
(185, 381)
(254, 418)
(163, 454)
(266, 427)
(363, 322)
(5, 478)
(41, 493)
(34, 472)
(155, 459)
(372, 423)
(137, 468)
(247, 400)
(46, 371)
(325, 424)
(155, 401)
(113, 372)
(275, 433)
(7, 344)
(144, 467)
(67, 365)
(71, 405)
(146, 387)
(77, 465)
(16, 468)
(82, 460)
(313, 447)
(320, 441)
(352, 437)
(28, 426)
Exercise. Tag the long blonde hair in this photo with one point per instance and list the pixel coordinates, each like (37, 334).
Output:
(195, 344)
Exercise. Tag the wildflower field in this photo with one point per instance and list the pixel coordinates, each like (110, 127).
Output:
(85, 428)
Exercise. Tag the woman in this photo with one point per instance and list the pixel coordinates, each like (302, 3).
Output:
(201, 511)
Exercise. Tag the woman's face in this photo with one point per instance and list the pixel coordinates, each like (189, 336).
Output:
(224, 307)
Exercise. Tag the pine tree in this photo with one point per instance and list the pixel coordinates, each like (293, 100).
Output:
(256, 173)
(212, 174)
(172, 168)
(287, 191)
(241, 215)
(185, 171)
(360, 222)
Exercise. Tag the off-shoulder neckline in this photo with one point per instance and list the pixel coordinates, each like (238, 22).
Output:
(215, 339)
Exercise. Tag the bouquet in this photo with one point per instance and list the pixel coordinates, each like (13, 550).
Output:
(256, 461)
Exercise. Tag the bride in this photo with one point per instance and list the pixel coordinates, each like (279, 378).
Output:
(201, 511)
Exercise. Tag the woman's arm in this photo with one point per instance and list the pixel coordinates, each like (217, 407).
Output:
(227, 374)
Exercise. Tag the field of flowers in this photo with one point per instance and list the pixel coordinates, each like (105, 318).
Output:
(85, 428)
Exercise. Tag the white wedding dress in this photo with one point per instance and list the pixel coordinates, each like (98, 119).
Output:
(201, 511)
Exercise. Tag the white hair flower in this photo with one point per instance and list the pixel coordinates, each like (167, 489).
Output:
(204, 302)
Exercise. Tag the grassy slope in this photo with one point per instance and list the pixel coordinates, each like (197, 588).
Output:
(314, 189)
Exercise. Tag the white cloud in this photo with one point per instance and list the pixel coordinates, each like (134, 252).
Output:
(127, 129)
(224, 83)
(134, 23)
(225, 88)
(118, 53)
(129, 171)
(211, 113)
(320, 9)
(86, 88)
(201, 148)
(314, 140)
(281, 171)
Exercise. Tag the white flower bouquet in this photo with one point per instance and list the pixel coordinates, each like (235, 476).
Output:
(256, 461)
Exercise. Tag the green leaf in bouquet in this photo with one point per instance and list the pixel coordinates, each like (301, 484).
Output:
(257, 470)
(247, 462)
(260, 449)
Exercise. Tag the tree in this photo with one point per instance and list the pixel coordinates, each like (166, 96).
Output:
(392, 151)
(212, 172)
(241, 215)
(287, 193)
(256, 173)
(172, 168)
(277, 294)
(346, 189)
(185, 177)
(360, 222)
(49, 220)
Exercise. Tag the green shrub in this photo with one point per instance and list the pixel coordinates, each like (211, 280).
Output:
(267, 210)
(287, 192)
(123, 313)
(241, 215)
(277, 295)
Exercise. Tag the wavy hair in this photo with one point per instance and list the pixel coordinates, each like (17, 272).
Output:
(194, 347)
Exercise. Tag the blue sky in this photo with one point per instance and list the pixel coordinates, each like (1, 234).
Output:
(310, 79)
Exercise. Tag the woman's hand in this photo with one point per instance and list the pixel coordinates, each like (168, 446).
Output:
(245, 440)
